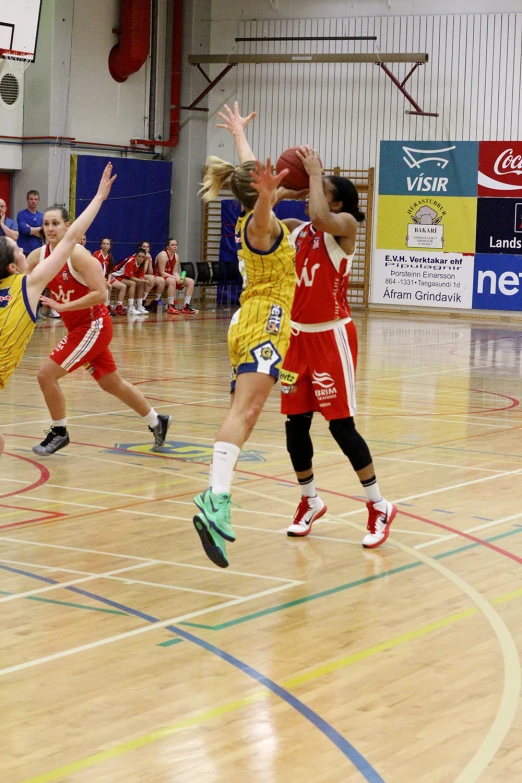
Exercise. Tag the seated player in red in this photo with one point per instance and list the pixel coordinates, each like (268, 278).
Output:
(106, 259)
(132, 270)
(157, 282)
(318, 372)
(168, 266)
(78, 292)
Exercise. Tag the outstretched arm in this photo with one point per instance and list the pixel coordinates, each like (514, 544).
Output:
(236, 124)
(263, 229)
(44, 272)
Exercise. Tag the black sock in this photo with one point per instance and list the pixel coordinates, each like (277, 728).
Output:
(60, 431)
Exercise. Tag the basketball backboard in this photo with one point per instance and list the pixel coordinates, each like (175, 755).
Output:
(19, 26)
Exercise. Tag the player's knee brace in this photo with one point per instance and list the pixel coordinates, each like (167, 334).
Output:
(299, 442)
(352, 444)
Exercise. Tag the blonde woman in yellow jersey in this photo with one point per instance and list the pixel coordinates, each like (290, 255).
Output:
(20, 290)
(259, 332)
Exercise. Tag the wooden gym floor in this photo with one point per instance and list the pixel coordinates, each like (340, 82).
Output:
(128, 658)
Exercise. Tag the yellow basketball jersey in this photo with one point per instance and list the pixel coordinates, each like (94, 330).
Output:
(269, 274)
(16, 324)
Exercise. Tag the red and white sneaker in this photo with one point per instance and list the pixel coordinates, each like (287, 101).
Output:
(308, 510)
(171, 310)
(380, 517)
(120, 309)
(188, 310)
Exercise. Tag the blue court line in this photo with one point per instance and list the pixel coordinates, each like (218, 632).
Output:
(483, 519)
(442, 511)
(347, 749)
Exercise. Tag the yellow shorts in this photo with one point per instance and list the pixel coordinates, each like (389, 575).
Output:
(258, 338)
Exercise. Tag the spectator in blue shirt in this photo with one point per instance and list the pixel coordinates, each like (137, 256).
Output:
(30, 223)
(8, 227)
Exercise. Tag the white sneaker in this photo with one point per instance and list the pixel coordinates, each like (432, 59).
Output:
(380, 517)
(142, 310)
(53, 314)
(131, 310)
(308, 510)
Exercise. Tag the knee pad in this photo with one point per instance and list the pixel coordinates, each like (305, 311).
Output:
(298, 441)
(351, 443)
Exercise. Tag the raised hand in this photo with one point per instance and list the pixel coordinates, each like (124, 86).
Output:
(311, 160)
(264, 181)
(104, 188)
(233, 121)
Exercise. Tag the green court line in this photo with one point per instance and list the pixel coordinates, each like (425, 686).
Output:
(169, 643)
(66, 603)
(340, 588)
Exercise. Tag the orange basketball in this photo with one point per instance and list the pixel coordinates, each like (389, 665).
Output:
(297, 178)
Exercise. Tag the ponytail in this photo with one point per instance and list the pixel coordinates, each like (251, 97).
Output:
(218, 172)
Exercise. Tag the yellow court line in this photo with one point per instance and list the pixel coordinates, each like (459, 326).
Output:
(238, 704)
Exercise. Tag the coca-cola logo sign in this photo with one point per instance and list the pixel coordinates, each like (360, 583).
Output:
(500, 169)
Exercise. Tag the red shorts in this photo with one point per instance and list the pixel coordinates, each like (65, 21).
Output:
(319, 373)
(87, 347)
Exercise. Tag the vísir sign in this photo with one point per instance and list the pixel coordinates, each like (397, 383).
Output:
(410, 168)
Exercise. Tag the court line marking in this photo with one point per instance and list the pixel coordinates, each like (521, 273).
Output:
(340, 588)
(35, 499)
(509, 702)
(494, 523)
(447, 488)
(68, 604)
(58, 585)
(113, 413)
(283, 448)
(148, 560)
(115, 578)
(346, 748)
(136, 631)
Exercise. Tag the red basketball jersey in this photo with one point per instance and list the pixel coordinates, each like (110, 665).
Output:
(323, 270)
(170, 266)
(104, 261)
(68, 286)
(129, 268)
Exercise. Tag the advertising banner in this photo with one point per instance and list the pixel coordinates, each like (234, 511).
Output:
(422, 279)
(427, 223)
(500, 169)
(499, 226)
(421, 168)
(498, 282)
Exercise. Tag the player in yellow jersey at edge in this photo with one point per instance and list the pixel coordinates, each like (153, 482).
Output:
(259, 332)
(20, 291)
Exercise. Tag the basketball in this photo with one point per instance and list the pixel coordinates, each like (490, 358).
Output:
(297, 178)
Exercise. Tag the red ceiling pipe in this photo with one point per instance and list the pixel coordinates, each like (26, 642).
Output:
(175, 83)
(132, 50)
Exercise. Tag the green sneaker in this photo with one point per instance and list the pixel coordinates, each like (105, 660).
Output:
(215, 510)
(213, 525)
(213, 544)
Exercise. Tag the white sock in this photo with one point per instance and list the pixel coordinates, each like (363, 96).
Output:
(139, 302)
(308, 490)
(372, 491)
(59, 423)
(187, 300)
(130, 302)
(170, 300)
(223, 463)
(107, 299)
(151, 419)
